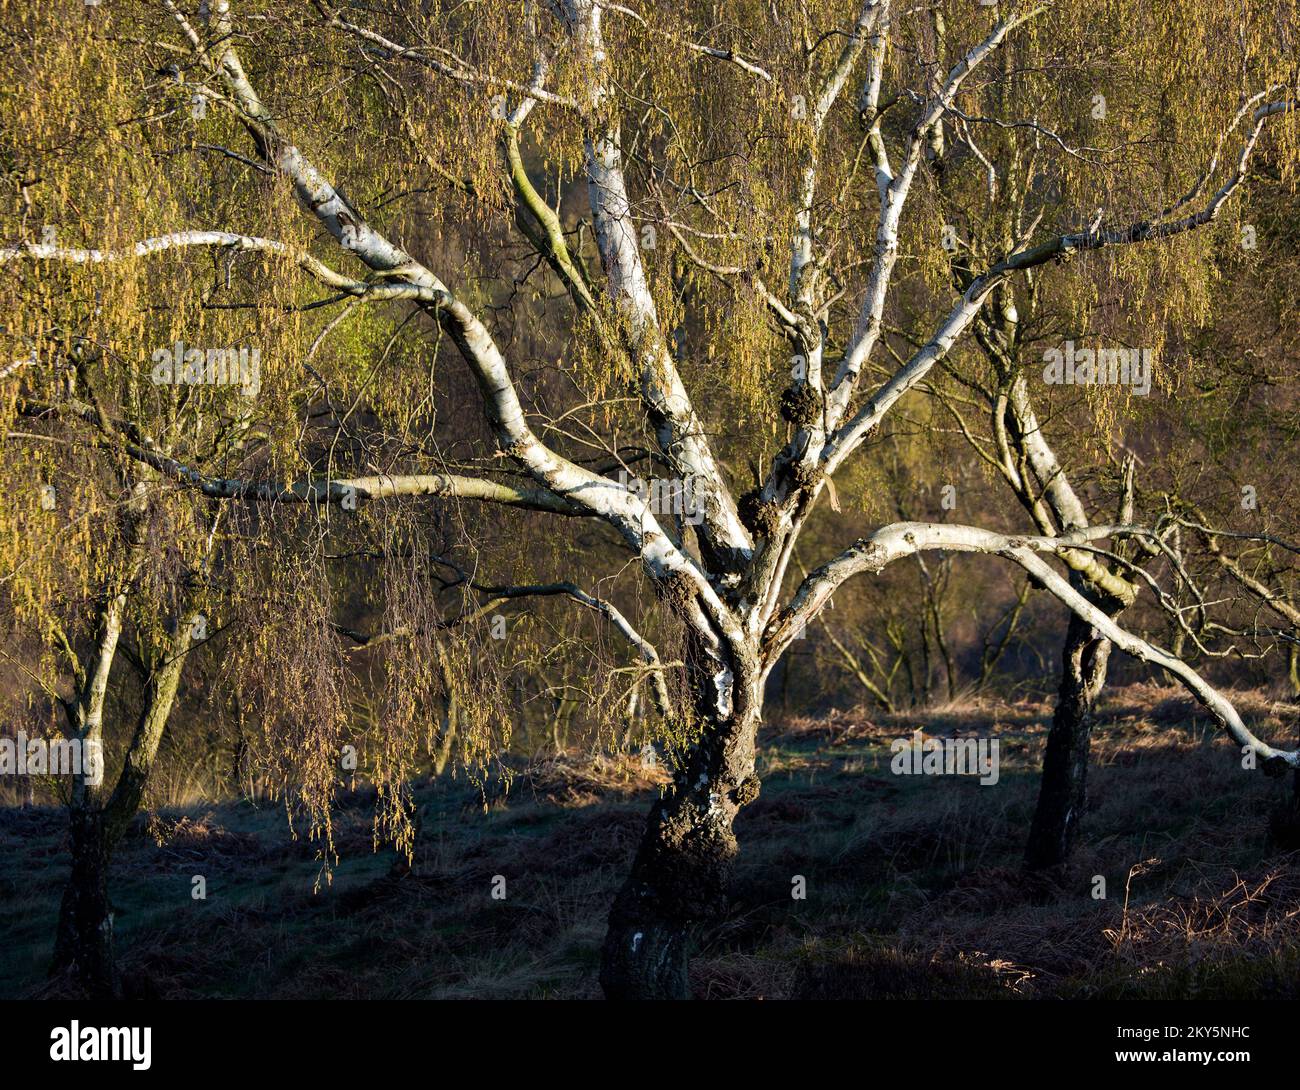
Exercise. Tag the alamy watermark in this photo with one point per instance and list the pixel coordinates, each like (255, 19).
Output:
(190, 366)
(922, 756)
(24, 756)
(1099, 367)
(116, 1044)
(667, 496)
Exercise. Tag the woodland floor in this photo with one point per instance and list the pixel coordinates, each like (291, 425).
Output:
(913, 883)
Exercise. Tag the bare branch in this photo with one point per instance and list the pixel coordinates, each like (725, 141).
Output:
(905, 539)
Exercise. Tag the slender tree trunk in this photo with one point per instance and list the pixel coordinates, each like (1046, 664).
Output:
(450, 725)
(450, 716)
(857, 668)
(679, 877)
(84, 939)
(1063, 790)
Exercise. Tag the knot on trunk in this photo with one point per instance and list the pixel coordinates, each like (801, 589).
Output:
(806, 477)
(676, 590)
(747, 792)
(800, 405)
(760, 518)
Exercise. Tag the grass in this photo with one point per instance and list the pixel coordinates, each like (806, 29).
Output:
(913, 884)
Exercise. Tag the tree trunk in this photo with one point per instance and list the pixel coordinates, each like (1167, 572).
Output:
(1284, 822)
(84, 939)
(1063, 790)
(679, 877)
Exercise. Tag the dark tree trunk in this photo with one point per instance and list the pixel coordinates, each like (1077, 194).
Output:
(1063, 791)
(679, 877)
(84, 939)
(1284, 822)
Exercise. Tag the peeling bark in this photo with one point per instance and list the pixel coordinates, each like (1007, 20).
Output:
(730, 594)
(678, 881)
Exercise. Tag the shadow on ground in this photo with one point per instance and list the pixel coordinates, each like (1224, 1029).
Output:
(912, 884)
